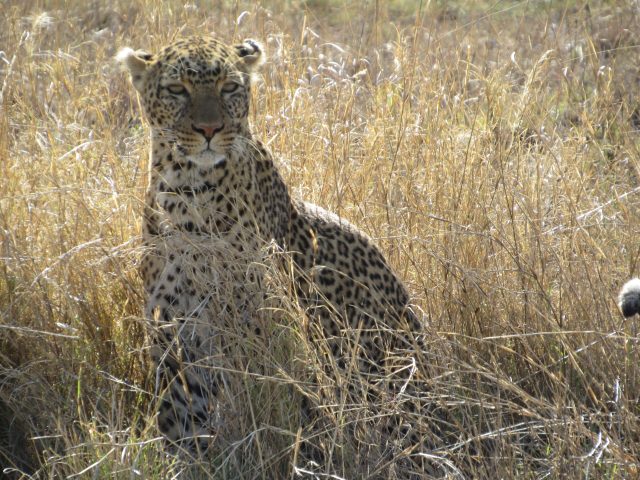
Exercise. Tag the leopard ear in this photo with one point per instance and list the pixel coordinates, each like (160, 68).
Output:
(251, 53)
(137, 63)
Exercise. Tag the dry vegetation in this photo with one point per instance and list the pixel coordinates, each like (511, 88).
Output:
(491, 149)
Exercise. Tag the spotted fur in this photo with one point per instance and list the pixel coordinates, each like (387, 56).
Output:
(213, 183)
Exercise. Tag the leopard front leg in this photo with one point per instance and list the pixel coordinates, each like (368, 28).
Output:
(185, 388)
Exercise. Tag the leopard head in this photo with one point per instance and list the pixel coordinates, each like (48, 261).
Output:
(196, 93)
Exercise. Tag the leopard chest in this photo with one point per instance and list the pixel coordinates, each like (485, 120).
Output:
(219, 201)
(199, 227)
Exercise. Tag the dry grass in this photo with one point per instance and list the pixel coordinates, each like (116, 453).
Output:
(490, 148)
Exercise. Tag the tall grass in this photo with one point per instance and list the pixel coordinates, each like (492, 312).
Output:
(490, 148)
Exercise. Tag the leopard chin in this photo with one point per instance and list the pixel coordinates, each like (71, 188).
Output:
(207, 158)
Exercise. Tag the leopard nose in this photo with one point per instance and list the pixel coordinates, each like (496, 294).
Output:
(208, 130)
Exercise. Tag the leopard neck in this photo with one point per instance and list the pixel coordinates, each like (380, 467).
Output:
(248, 168)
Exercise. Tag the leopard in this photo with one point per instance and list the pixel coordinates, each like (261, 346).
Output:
(215, 199)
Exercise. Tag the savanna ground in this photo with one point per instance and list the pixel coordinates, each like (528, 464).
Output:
(490, 148)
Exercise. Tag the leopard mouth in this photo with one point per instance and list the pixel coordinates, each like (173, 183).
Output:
(206, 153)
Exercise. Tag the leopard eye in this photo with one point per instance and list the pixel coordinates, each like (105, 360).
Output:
(176, 89)
(229, 87)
